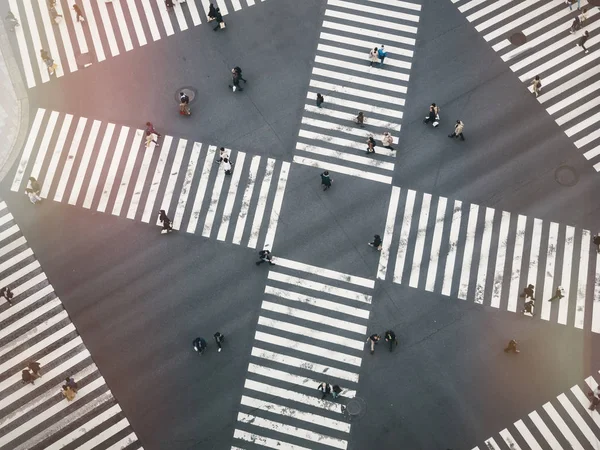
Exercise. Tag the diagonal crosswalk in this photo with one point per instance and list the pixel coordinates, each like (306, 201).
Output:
(311, 329)
(37, 328)
(107, 168)
(329, 139)
(110, 29)
(570, 78)
(488, 256)
(565, 422)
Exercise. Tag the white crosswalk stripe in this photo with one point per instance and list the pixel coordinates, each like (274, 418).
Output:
(488, 257)
(37, 328)
(570, 84)
(329, 138)
(108, 29)
(311, 329)
(565, 422)
(70, 156)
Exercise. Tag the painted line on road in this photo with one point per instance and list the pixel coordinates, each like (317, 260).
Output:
(327, 273)
(388, 233)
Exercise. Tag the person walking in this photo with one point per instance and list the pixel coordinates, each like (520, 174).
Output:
(199, 345)
(219, 20)
(71, 384)
(325, 389)
(320, 100)
(56, 17)
(594, 397)
(390, 338)
(370, 145)
(596, 242)
(33, 190)
(223, 154)
(68, 393)
(326, 180)
(576, 25)
(360, 120)
(27, 377)
(78, 14)
(238, 71)
(235, 81)
(150, 130)
(336, 391)
(265, 256)
(377, 242)
(558, 294)
(150, 138)
(219, 338)
(227, 166)
(382, 55)
(529, 306)
(7, 294)
(528, 292)
(212, 13)
(373, 339)
(35, 368)
(373, 57)
(166, 222)
(433, 115)
(512, 347)
(184, 104)
(537, 85)
(582, 40)
(458, 131)
(11, 21)
(387, 140)
(584, 16)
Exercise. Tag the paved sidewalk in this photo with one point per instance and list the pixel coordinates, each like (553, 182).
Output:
(14, 105)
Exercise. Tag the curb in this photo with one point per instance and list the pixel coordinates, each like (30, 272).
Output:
(8, 159)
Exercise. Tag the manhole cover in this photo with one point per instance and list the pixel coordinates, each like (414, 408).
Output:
(355, 408)
(566, 175)
(518, 39)
(189, 91)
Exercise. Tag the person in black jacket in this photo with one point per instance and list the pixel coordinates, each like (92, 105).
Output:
(212, 12)
(199, 345)
(7, 294)
(219, 20)
(376, 242)
(265, 256)
(219, 338)
(390, 338)
(166, 222)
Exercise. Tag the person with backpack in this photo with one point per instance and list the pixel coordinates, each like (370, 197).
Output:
(265, 256)
(390, 338)
(199, 345)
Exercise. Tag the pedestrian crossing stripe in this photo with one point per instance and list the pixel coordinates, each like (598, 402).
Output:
(569, 86)
(569, 414)
(311, 329)
(329, 139)
(489, 257)
(109, 29)
(37, 328)
(104, 167)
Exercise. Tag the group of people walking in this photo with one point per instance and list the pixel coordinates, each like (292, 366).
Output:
(389, 336)
(199, 344)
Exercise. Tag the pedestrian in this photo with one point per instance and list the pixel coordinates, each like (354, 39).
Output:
(7, 294)
(570, 4)
(326, 180)
(360, 120)
(325, 389)
(373, 339)
(370, 145)
(33, 190)
(71, 384)
(236, 82)
(212, 13)
(79, 15)
(373, 57)
(382, 55)
(390, 338)
(584, 15)
(377, 242)
(458, 131)
(27, 377)
(11, 21)
(596, 242)
(35, 368)
(594, 397)
(387, 140)
(529, 308)
(169, 3)
(265, 256)
(336, 391)
(576, 25)
(528, 292)
(226, 166)
(582, 41)
(68, 393)
(433, 115)
(56, 17)
(320, 100)
(512, 347)
(558, 294)
(222, 155)
(238, 71)
(219, 338)
(199, 345)
(184, 104)
(219, 19)
(537, 85)
(166, 222)
(150, 130)
(150, 138)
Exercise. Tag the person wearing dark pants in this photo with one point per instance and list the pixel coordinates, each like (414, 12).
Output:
(458, 131)
(199, 345)
(7, 294)
(376, 242)
(320, 100)
(238, 71)
(596, 242)
(219, 20)
(78, 12)
(528, 292)
(512, 347)
(36, 369)
(373, 339)
(325, 389)
(166, 222)
(558, 294)
(219, 338)
(582, 40)
(336, 391)
(390, 338)
(265, 256)
(326, 180)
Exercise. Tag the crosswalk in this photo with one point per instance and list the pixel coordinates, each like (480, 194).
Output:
(111, 27)
(37, 328)
(311, 329)
(570, 78)
(107, 168)
(565, 422)
(328, 137)
(488, 256)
